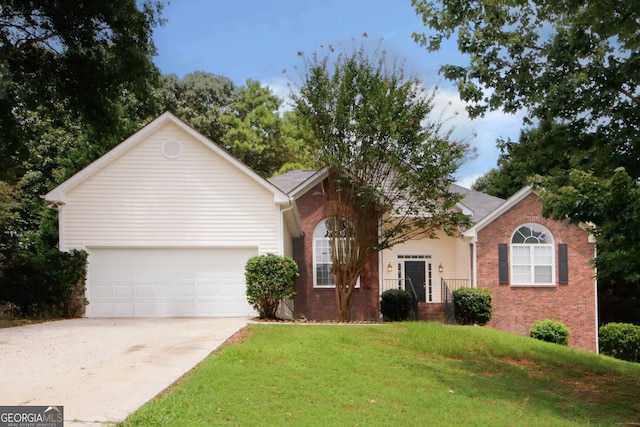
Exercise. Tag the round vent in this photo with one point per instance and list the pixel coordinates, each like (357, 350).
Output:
(171, 149)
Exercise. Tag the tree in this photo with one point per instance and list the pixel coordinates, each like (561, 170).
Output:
(259, 136)
(77, 54)
(389, 165)
(199, 99)
(574, 67)
(550, 149)
(573, 61)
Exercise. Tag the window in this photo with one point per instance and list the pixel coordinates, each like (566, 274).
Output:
(322, 262)
(532, 256)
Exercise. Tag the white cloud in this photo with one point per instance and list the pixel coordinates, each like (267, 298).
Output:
(481, 132)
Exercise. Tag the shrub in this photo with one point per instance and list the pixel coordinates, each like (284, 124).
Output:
(472, 306)
(396, 305)
(270, 279)
(550, 331)
(620, 340)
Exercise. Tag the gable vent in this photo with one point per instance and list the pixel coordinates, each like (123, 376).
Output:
(171, 149)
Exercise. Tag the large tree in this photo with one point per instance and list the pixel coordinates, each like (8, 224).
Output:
(258, 134)
(574, 68)
(79, 54)
(389, 164)
(199, 98)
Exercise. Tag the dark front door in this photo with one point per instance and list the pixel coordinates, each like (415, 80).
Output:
(414, 272)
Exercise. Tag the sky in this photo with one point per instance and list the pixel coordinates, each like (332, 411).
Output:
(259, 40)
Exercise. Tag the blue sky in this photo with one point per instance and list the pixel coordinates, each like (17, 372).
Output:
(256, 39)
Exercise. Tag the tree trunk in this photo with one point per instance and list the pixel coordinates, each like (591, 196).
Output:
(343, 298)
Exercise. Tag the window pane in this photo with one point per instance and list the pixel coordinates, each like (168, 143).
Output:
(323, 275)
(521, 274)
(543, 274)
(542, 255)
(521, 255)
(323, 251)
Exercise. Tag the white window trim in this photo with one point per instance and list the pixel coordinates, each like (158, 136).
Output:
(532, 264)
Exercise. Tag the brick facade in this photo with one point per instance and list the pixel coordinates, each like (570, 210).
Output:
(320, 303)
(516, 308)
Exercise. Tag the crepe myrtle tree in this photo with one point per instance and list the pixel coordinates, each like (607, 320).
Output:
(389, 164)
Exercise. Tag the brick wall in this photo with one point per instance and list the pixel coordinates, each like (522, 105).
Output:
(320, 304)
(516, 308)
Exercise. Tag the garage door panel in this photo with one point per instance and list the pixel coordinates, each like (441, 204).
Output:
(121, 291)
(139, 282)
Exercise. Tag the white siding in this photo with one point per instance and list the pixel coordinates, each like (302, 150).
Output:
(146, 199)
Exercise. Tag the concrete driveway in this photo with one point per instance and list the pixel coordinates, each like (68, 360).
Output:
(101, 370)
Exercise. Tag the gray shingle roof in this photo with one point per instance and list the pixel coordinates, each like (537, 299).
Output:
(481, 204)
(289, 181)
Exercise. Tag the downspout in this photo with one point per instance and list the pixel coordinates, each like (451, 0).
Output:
(595, 280)
(474, 264)
(282, 224)
(380, 265)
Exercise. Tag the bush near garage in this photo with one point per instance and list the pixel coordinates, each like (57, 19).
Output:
(270, 280)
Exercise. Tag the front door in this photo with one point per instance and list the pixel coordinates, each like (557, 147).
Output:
(414, 272)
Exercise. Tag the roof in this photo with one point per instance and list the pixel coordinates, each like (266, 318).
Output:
(472, 232)
(289, 181)
(478, 204)
(58, 194)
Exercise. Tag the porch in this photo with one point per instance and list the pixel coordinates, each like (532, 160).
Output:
(430, 305)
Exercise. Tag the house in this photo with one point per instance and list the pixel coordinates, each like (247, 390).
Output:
(169, 219)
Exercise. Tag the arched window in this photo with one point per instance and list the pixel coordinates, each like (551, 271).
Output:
(322, 248)
(532, 256)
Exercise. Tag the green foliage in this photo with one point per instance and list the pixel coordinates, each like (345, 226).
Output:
(198, 99)
(581, 69)
(550, 331)
(472, 306)
(270, 280)
(573, 68)
(258, 135)
(620, 340)
(76, 54)
(613, 205)
(39, 280)
(387, 159)
(396, 305)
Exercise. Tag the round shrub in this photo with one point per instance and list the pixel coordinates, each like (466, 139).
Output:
(620, 340)
(270, 279)
(550, 331)
(396, 305)
(472, 306)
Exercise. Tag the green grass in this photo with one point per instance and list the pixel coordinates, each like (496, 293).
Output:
(397, 374)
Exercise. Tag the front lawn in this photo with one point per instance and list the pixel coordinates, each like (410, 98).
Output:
(397, 374)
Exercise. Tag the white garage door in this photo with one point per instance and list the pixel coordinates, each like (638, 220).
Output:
(144, 282)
